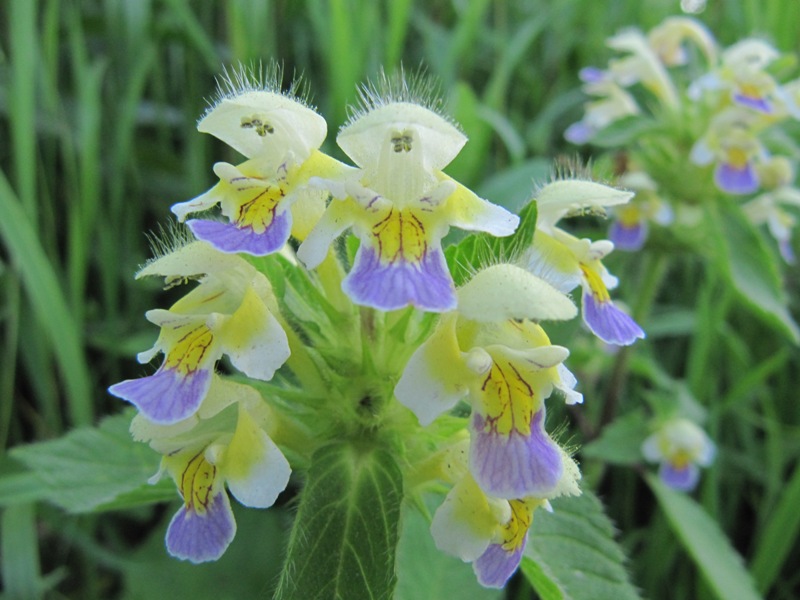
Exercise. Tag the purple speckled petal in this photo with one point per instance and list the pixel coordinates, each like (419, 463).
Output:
(683, 480)
(426, 285)
(735, 180)
(514, 466)
(627, 238)
(609, 323)
(202, 537)
(165, 397)
(227, 237)
(756, 103)
(495, 566)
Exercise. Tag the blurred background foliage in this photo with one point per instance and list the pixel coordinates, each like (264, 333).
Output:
(98, 102)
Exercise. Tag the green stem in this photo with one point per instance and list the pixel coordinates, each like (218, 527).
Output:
(301, 363)
(331, 273)
(655, 268)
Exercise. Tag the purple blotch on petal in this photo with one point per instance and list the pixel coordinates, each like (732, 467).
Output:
(683, 480)
(755, 102)
(736, 180)
(227, 237)
(202, 537)
(426, 285)
(627, 238)
(165, 397)
(514, 466)
(495, 566)
(609, 323)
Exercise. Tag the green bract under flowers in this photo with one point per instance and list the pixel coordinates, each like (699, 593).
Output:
(375, 347)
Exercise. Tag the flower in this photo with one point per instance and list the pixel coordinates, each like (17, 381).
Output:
(227, 446)
(731, 144)
(489, 532)
(630, 227)
(680, 446)
(741, 75)
(399, 203)
(777, 175)
(281, 136)
(565, 261)
(505, 364)
(667, 39)
(612, 104)
(227, 313)
(641, 65)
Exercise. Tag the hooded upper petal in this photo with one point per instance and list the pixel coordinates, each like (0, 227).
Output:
(265, 123)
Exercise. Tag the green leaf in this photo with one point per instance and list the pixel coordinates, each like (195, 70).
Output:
(91, 466)
(702, 538)
(778, 536)
(571, 553)
(751, 267)
(248, 569)
(481, 249)
(620, 442)
(19, 488)
(424, 571)
(345, 534)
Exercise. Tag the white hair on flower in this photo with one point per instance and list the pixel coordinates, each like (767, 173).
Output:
(243, 79)
(415, 88)
(167, 239)
(254, 115)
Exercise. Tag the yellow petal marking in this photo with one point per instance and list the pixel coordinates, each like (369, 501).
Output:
(592, 277)
(256, 199)
(513, 532)
(508, 399)
(630, 215)
(737, 158)
(191, 346)
(400, 236)
(197, 483)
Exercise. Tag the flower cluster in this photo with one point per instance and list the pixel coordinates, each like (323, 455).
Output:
(274, 290)
(727, 115)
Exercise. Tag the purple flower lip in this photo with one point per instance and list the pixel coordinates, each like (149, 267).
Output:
(496, 566)
(628, 238)
(165, 397)
(202, 537)
(609, 323)
(228, 237)
(426, 285)
(592, 75)
(515, 466)
(682, 479)
(736, 180)
(755, 102)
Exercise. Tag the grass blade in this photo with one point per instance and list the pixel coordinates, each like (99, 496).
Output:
(47, 299)
(20, 553)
